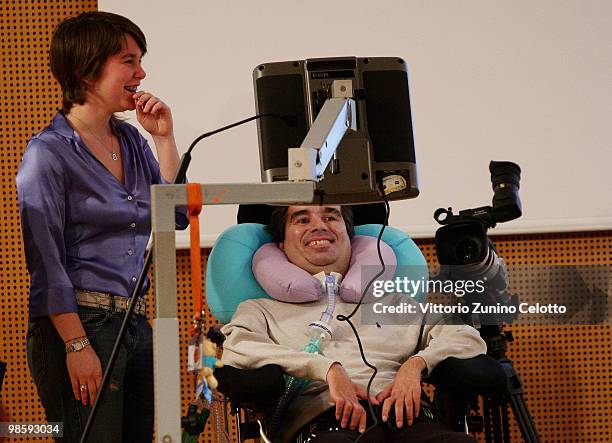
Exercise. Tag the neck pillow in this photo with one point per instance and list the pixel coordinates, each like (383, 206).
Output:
(229, 274)
(284, 281)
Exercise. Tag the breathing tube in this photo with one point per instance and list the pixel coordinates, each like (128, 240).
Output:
(320, 331)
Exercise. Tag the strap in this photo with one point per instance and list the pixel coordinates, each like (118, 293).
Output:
(194, 207)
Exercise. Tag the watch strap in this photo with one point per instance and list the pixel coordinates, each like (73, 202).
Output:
(77, 345)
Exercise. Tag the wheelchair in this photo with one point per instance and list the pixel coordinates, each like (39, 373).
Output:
(253, 393)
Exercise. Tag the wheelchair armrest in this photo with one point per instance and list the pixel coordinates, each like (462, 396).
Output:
(477, 375)
(261, 385)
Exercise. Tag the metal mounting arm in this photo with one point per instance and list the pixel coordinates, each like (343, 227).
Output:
(309, 161)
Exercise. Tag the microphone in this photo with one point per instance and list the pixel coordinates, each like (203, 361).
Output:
(181, 172)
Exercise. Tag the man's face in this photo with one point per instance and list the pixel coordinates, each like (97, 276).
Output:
(316, 239)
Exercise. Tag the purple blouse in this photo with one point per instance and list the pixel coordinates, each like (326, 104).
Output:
(82, 228)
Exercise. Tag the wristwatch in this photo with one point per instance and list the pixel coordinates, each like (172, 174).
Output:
(77, 345)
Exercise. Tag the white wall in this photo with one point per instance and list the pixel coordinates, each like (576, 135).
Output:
(527, 81)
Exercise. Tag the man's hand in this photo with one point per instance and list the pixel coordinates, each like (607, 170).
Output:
(85, 371)
(345, 394)
(405, 391)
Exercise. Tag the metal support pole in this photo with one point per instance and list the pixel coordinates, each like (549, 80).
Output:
(164, 200)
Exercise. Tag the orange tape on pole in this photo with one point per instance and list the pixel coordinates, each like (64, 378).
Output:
(194, 207)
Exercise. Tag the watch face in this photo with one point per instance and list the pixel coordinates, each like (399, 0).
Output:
(77, 346)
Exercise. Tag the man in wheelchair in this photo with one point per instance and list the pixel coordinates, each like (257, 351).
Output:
(333, 405)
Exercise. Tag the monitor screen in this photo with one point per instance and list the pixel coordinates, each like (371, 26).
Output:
(378, 155)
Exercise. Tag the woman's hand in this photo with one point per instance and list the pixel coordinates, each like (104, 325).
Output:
(155, 117)
(84, 366)
(85, 371)
(153, 114)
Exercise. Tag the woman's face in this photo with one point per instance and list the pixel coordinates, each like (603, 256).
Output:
(119, 79)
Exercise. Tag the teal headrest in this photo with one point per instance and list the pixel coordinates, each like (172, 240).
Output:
(230, 279)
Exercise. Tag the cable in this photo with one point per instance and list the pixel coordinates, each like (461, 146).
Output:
(181, 171)
(363, 294)
(289, 120)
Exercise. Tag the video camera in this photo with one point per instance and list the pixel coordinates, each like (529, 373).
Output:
(463, 249)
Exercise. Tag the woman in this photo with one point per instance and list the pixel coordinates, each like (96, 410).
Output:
(84, 193)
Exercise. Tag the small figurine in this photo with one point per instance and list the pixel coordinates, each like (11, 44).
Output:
(206, 380)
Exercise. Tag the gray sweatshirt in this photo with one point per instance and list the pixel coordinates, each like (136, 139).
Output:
(266, 331)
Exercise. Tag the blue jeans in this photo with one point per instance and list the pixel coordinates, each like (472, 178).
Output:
(126, 409)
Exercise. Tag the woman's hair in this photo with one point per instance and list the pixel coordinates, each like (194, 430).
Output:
(81, 45)
(278, 219)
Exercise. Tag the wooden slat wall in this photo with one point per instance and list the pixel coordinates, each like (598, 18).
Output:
(566, 370)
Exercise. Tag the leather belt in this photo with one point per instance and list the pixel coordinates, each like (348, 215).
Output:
(109, 302)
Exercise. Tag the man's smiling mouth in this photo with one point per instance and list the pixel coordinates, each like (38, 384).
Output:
(318, 242)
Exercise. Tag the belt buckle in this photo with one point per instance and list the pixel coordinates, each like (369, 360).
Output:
(140, 306)
(129, 302)
(137, 303)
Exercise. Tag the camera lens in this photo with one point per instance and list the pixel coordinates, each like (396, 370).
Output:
(467, 251)
(462, 243)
